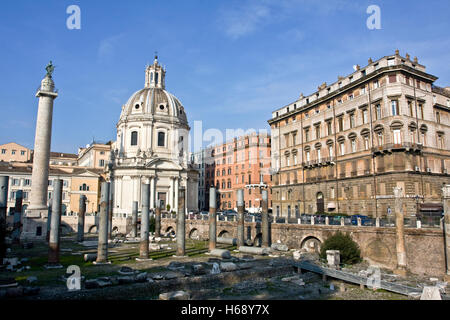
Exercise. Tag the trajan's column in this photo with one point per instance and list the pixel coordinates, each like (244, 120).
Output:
(35, 219)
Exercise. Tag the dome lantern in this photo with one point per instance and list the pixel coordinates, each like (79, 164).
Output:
(155, 75)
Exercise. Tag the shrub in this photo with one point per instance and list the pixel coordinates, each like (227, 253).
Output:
(348, 248)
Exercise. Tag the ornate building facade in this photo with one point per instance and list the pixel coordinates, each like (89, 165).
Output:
(345, 147)
(152, 146)
(241, 163)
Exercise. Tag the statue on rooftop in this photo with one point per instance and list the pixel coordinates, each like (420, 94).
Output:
(50, 68)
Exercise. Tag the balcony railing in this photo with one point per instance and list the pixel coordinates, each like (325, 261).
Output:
(392, 147)
(319, 162)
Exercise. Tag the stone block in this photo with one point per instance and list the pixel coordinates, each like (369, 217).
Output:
(228, 266)
(170, 275)
(154, 246)
(141, 277)
(175, 295)
(245, 266)
(279, 247)
(198, 269)
(430, 293)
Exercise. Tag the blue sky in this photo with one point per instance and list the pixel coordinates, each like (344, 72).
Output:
(231, 63)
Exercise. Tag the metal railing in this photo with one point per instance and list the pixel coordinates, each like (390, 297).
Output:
(322, 220)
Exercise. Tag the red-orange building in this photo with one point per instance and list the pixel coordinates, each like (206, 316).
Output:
(241, 163)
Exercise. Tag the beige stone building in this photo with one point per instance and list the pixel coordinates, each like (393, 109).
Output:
(76, 181)
(81, 174)
(86, 182)
(20, 179)
(13, 152)
(94, 155)
(346, 146)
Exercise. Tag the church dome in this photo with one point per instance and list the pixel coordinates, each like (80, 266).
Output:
(154, 101)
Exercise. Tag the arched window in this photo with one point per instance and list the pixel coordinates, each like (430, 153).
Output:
(134, 138)
(161, 139)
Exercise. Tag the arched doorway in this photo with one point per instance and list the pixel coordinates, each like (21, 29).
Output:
(194, 234)
(224, 234)
(320, 202)
(311, 244)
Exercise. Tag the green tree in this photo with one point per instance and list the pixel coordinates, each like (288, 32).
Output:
(349, 249)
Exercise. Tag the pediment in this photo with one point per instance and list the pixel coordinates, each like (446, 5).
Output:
(162, 164)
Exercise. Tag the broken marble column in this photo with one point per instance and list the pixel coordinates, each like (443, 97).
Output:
(102, 252)
(17, 224)
(212, 219)
(158, 218)
(446, 196)
(54, 239)
(181, 223)
(254, 250)
(400, 233)
(265, 219)
(81, 217)
(4, 181)
(224, 240)
(240, 224)
(221, 253)
(333, 258)
(134, 219)
(145, 221)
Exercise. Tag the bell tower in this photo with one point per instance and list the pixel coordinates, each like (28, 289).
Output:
(155, 75)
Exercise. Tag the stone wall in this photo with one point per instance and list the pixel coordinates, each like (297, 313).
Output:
(70, 224)
(424, 247)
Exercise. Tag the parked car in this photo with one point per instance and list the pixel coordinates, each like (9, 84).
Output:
(230, 213)
(364, 219)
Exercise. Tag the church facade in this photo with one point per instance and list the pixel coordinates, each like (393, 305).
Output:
(152, 147)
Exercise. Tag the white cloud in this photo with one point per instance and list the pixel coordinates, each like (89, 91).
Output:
(239, 22)
(252, 15)
(108, 46)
